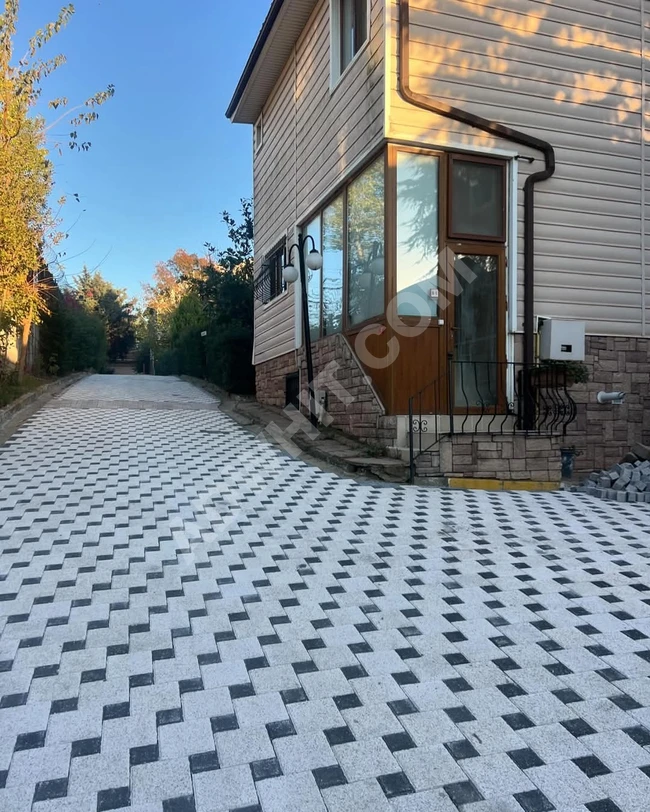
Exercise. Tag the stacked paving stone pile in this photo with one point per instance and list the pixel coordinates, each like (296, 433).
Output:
(625, 482)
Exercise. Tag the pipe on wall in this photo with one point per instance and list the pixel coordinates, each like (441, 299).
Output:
(502, 131)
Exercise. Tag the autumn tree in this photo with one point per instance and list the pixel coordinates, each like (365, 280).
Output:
(209, 331)
(171, 282)
(26, 182)
(28, 226)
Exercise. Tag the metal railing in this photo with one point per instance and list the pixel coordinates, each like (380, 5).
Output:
(425, 409)
(268, 283)
(489, 397)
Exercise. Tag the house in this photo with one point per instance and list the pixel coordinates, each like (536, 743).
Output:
(475, 176)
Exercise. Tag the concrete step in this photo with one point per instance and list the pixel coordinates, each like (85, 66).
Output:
(384, 468)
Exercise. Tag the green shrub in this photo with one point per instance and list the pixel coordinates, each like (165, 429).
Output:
(72, 338)
(191, 353)
(167, 363)
(229, 352)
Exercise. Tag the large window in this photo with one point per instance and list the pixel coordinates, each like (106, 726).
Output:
(333, 267)
(349, 233)
(465, 193)
(325, 287)
(417, 234)
(478, 199)
(365, 244)
(349, 32)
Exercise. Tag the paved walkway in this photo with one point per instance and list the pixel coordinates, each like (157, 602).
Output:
(190, 620)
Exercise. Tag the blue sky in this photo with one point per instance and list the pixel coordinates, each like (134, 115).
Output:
(164, 160)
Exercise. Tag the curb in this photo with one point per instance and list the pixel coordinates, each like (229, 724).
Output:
(212, 388)
(503, 484)
(20, 409)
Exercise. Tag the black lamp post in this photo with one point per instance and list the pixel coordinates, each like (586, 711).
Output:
(289, 273)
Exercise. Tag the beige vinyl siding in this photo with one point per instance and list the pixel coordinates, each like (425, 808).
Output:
(335, 128)
(274, 213)
(274, 327)
(313, 136)
(569, 73)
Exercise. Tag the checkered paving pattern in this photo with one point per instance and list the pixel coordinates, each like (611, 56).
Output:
(190, 621)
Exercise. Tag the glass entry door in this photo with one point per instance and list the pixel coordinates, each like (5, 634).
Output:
(477, 340)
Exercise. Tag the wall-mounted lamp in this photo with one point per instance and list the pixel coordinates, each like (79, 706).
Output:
(290, 274)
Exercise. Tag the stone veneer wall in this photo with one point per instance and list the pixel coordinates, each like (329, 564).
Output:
(605, 433)
(502, 457)
(270, 379)
(363, 417)
(494, 456)
(602, 434)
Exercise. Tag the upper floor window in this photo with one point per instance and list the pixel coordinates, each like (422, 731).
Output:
(350, 29)
(258, 133)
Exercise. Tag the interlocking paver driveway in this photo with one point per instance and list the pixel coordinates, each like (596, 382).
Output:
(190, 620)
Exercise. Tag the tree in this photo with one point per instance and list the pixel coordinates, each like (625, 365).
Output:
(238, 257)
(226, 291)
(113, 306)
(26, 182)
(72, 337)
(27, 223)
(217, 299)
(171, 282)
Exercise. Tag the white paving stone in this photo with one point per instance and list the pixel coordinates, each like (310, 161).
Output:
(176, 592)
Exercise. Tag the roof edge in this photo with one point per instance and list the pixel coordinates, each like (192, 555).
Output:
(255, 54)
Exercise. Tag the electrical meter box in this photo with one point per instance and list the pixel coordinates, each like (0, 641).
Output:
(562, 340)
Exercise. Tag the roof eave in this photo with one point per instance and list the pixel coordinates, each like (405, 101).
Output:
(280, 31)
(249, 67)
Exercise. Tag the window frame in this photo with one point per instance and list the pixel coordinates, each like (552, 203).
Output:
(446, 238)
(348, 327)
(258, 142)
(276, 281)
(337, 72)
(460, 236)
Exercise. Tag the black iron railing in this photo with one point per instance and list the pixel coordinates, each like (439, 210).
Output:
(425, 410)
(489, 397)
(270, 283)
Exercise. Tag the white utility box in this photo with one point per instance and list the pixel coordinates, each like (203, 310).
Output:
(562, 340)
